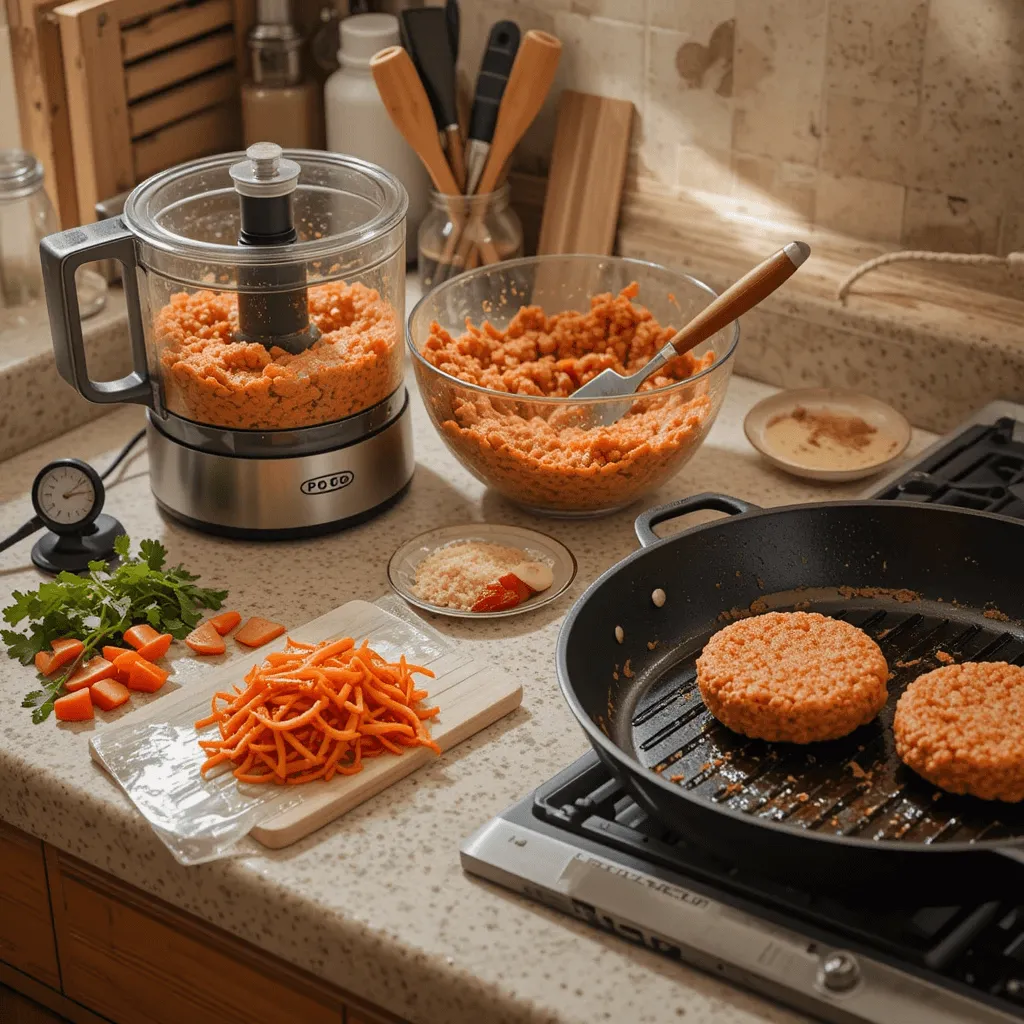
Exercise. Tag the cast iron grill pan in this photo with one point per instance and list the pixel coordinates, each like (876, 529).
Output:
(918, 579)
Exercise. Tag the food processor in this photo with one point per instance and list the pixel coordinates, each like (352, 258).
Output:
(265, 296)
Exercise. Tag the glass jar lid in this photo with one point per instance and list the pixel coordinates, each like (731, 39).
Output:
(348, 214)
(21, 174)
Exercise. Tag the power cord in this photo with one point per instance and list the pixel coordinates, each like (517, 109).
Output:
(35, 523)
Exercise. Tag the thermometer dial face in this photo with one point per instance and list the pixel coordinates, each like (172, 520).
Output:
(67, 495)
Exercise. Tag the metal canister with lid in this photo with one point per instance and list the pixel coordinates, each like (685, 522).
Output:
(265, 296)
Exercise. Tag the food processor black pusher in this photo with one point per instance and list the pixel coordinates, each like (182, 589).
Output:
(272, 305)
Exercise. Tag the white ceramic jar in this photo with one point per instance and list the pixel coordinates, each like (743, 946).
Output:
(358, 124)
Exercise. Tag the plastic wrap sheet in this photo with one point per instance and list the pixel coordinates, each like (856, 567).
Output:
(156, 761)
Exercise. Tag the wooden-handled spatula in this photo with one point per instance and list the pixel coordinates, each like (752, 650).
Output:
(736, 300)
(407, 104)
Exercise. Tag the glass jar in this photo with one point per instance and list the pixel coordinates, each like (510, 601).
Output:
(463, 232)
(242, 338)
(26, 217)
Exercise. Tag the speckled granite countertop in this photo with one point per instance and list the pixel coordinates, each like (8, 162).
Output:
(377, 902)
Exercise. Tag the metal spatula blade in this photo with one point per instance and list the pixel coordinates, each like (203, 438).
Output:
(736, 300)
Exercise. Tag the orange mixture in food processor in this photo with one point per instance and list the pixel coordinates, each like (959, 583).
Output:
(211, 377)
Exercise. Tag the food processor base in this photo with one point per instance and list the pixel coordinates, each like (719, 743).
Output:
(277, 498)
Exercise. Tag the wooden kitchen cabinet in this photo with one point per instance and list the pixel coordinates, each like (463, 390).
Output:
(137, 960)
(26, 928)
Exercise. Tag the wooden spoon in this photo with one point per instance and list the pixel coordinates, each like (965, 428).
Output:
(406, 102)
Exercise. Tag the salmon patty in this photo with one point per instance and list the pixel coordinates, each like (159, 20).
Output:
(962, 728)
(795, 677)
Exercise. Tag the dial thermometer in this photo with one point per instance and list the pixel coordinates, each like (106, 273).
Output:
(68, 495)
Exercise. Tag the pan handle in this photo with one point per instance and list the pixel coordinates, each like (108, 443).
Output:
(646, 521)
(1015, 853)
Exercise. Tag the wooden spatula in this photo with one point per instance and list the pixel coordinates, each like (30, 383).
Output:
(406, 102)
(736, 300)
(528, 84)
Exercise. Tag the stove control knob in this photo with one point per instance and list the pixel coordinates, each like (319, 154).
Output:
(839, 972)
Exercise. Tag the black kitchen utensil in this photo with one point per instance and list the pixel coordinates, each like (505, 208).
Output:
(831, 816)
(452, 20)
(425, 35)
(502, 45)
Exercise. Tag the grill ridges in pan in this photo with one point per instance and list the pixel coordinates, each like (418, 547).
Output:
(854, 786)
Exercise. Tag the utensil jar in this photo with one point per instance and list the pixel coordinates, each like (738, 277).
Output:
(463, 232)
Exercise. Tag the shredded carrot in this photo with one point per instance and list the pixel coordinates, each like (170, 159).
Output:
(315, 710)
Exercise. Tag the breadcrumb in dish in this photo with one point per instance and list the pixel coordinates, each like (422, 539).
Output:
(456, 574)
(797, 677)
(961, 727)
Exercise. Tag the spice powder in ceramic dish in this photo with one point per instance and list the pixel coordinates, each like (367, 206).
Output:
(211, 377)
(554, 457)
(824, 439)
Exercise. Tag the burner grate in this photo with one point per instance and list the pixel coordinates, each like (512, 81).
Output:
(981, 468)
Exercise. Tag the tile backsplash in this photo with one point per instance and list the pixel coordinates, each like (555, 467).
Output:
(900, 121)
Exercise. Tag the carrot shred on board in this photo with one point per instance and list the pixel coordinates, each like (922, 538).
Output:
(313, 711)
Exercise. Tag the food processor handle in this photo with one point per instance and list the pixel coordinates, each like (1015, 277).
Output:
(61, 255)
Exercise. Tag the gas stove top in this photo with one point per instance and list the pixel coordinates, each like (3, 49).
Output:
(580, 844)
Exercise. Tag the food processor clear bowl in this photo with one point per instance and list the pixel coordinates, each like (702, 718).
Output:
(210, 357)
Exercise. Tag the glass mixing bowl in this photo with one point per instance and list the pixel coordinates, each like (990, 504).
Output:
(551, 455)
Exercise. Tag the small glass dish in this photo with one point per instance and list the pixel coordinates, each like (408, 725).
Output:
(538, 546)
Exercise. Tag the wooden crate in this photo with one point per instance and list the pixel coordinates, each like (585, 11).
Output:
(150, 83)
(42, 99)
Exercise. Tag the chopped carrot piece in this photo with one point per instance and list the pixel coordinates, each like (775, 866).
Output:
(75, 707)
(206, 639)
(256, 632)
(123, 664)
(64, 651)
(146, 676)
(108, 694)
(156, 648)
(112, 653)
(91, 672)
(43, 660)
(225, 622)
(140, 635)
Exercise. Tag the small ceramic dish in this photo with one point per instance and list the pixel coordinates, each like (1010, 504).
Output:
(893, 433)
(538, 546)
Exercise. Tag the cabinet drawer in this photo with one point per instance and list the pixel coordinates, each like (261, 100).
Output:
(138, 961)
(26, 926)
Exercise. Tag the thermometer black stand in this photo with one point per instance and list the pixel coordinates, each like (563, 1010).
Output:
(72, 552)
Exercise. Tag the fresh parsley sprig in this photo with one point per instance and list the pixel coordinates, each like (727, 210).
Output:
(99, 607)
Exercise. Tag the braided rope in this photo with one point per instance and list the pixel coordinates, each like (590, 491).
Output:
(971, 259)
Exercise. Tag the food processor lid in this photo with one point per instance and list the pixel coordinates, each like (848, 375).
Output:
(185, 210)
(21, 174)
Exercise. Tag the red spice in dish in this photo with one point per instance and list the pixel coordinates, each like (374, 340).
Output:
(555, 457)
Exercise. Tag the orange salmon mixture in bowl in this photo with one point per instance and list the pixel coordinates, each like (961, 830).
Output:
(502, 401)
(211, 377)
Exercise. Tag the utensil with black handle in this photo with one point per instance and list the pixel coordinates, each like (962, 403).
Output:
(426, 31)
(496, 66)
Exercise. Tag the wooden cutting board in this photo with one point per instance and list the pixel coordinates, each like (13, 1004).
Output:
(588, 171)
(471, 694)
